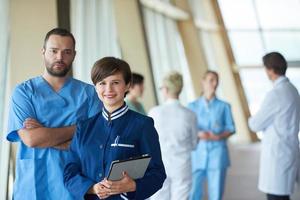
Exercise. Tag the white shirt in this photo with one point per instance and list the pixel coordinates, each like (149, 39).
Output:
(177, 130)
(279, 118)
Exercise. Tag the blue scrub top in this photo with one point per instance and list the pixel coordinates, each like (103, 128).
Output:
(214, 116)
(103, 139)
(39, 171)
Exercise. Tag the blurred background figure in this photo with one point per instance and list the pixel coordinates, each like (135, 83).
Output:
(135, 92)
(278, 117)
(177, 129)
(215, 124)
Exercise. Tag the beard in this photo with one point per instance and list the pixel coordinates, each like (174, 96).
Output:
(58, 73)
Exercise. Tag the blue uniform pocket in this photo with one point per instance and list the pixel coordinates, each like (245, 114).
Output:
(123, 148)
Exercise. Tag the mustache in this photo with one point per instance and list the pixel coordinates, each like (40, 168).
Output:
(60, 62)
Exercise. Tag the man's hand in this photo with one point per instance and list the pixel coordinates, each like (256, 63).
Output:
(34, 134)
(31, 123)
(63, 146)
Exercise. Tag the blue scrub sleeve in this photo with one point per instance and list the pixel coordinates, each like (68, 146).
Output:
(229, 123)
(74, 181)
(21, 107)
(191, 107)
(95, 104)
(155, 175)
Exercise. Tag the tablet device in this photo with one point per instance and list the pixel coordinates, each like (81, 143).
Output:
(135, 167)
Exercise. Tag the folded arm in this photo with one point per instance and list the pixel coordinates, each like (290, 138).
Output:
(35, 135)
(208, 135)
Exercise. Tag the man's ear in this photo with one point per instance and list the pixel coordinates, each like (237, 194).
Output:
(43, 50)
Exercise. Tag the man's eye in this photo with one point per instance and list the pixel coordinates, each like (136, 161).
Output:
(53, 51)
(116, 82)
(68, 52)
(101, 83)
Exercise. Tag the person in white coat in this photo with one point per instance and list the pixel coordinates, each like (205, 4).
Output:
(278, 118)
(177, 130)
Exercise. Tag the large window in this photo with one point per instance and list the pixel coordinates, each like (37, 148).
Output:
(93, 25)
(256, 27)
(166, 50)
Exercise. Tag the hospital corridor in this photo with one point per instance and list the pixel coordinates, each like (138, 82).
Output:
(149, 99)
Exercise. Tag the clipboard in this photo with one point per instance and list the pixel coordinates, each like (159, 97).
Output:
(135, 167)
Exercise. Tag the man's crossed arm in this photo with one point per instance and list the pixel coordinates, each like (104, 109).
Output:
(35, 134)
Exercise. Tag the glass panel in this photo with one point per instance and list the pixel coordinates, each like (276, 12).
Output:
(238, 14)
(93, 25)
(247, 47)
(166, 52)
(256, 85)
(208, 49)
(287, 43)
(279, 13)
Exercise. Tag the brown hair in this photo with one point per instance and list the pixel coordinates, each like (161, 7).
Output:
(276, 62)
(108, 66)
(211, 72)
(137, 79)
(60, 32)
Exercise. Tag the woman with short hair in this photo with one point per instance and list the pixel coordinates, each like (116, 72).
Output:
(116, 133)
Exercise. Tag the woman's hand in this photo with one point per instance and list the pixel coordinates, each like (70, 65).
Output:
(202, 135)
(126, 184)
(100, 190)
(208, 135)
(213, 136)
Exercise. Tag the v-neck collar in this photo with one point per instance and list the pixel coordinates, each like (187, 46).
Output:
(45, 82)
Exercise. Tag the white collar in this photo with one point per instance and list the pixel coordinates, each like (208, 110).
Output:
(279, 80)
(172, 101)
(116, 114)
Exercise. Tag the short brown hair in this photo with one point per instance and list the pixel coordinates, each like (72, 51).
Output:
(60, 32)
(108, 66)
(276, 62)
(137, 79)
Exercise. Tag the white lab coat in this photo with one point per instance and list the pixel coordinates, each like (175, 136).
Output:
(278, 118)
(177, 130)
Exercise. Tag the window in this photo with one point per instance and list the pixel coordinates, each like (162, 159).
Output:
(166, 51)
(256, 27)
(95, 39)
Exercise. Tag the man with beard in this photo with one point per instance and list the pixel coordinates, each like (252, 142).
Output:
(43, 114)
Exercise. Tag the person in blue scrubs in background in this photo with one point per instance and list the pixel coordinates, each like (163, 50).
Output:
(114, 134)
(215, 124)
(43, 115)
(136, 91)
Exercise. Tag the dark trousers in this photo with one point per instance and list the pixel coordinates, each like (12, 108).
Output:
(277, 197)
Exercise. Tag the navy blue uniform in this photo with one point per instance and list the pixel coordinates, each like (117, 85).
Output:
(102, 139)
